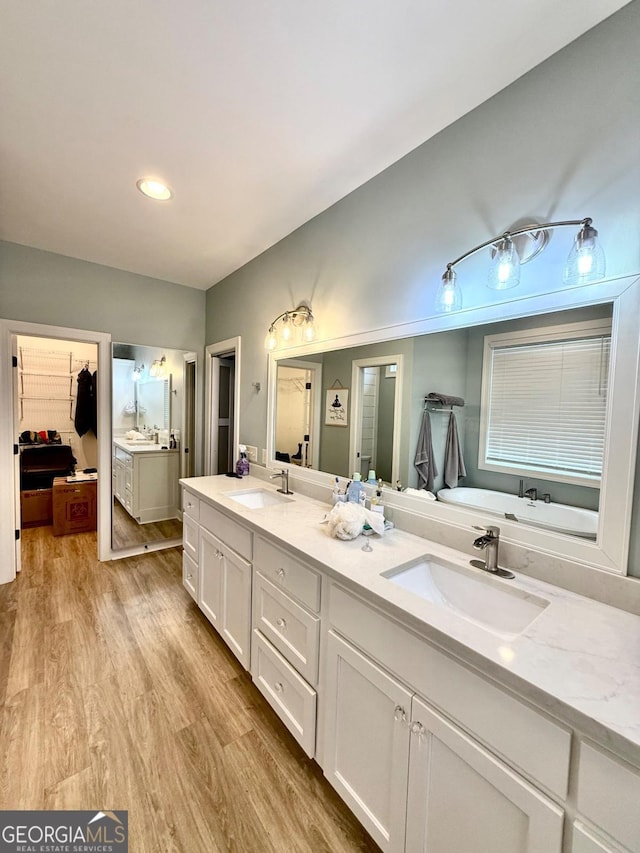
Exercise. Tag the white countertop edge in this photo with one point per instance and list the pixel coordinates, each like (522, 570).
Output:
(579, 660)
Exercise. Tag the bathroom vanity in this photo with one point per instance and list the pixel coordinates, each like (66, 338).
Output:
(451, 711)
(145, 480)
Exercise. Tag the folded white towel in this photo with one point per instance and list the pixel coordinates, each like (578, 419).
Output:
(420, 493)
(346, 520)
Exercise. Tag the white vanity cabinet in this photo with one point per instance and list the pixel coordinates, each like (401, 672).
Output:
(607, 802)
(286, 638)
(146, 483)
(217, 572)
(434, 779)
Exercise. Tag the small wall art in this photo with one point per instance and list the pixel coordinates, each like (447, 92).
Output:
(336, 409)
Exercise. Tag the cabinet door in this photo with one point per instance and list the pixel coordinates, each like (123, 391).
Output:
(366, 737)
(236, 605)
(462, 798)
(584, 841)
(210, 578)
(190, 575)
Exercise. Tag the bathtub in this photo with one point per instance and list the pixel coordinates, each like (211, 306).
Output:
(557, 517)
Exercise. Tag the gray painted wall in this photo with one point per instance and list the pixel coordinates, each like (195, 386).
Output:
(42, 287)
(561, 142)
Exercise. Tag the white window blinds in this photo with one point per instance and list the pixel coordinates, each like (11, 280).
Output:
(547, 405)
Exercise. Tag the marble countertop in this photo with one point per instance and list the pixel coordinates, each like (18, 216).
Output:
(141, 447)
(579, 659)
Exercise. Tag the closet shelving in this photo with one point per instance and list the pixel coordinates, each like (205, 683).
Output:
(46, 380)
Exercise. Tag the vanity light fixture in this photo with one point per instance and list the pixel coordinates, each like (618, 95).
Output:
(154, 189)
(585, 264)
(137, 372)
(290, 328)
(159, 368)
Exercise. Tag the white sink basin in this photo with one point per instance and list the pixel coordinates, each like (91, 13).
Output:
(470, 593)
(257, 498)
(140, 443)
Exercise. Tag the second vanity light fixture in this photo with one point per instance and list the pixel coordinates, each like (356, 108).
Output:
(159, 368)
(291, 328)
(585, 264)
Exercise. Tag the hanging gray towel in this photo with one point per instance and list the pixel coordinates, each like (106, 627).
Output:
(424, 463)
(453, 461)
(444, 399)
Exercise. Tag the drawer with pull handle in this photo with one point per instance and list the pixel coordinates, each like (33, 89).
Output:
(190, 505)
(290, 627)
(288, 573)
(288, 694)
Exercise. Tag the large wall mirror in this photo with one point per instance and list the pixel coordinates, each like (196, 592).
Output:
(545, 408)
(153, 436)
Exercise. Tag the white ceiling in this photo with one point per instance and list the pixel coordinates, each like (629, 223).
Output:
(258, 114)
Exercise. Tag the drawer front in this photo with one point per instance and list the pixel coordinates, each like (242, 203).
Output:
(288, 574)
(524, 737)
(190, 537)
(609, 795)
(190, 504)
(227, 530)
(293, 630)
(288, 694)
(190, 575)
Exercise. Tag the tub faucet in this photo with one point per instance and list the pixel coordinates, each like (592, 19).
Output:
(521, 489)
(489, 542)
(284, 487)
(532, 494)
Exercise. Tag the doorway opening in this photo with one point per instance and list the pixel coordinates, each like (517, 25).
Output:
(222, 378)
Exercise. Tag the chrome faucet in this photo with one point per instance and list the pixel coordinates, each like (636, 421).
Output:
(489, 542)
(284, 487)
(532, 494)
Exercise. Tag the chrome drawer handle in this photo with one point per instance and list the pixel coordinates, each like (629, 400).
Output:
(279, 687)
(281, 623)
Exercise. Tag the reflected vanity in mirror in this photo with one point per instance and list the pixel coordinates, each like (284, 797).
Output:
(549, 421)
(153, 406)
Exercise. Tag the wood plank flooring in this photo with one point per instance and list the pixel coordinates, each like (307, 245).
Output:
(126, 532)
(116, 693)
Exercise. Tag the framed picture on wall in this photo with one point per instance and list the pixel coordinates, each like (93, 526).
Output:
(336, 407)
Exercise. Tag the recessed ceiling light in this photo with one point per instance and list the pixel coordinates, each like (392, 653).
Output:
(154, 189)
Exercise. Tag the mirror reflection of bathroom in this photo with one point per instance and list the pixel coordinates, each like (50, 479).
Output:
(376, 418)
(297, 414)
(149, 399)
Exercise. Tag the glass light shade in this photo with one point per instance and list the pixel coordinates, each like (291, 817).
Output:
(504, 271)
(285, 334)
(153, 370)
(308, 330)
(586, 261)
(449, 296)
(271, 340)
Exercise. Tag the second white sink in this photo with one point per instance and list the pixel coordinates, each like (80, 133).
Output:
(470, 593)
(257, 498)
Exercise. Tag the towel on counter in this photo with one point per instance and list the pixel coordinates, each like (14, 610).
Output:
(444, 399)
(420, 493)
(347, 520)
(453, 461)
(424, 461)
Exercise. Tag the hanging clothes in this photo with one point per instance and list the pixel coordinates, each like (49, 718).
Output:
(84, 417)
(453, 461)
(424, 461)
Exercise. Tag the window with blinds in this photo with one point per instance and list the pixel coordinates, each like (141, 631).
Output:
(545, 402)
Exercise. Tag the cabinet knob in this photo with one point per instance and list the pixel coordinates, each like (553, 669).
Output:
(219, 554)
(280, 573)
(418, 729)
(189, 577)
(399, 714)
(281, 623)
(279, 687)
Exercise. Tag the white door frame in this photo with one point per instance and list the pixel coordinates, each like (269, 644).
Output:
(191, 358)
(355, 431)
(229, 347)
(315, 368)
(8, 509)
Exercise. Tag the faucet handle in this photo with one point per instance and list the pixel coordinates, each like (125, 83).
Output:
(491, 530)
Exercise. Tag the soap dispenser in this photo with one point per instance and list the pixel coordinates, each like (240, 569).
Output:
(355, 488)
(242, 465)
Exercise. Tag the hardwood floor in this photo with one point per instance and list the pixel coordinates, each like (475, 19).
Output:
(126, 531)
(116, 693)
